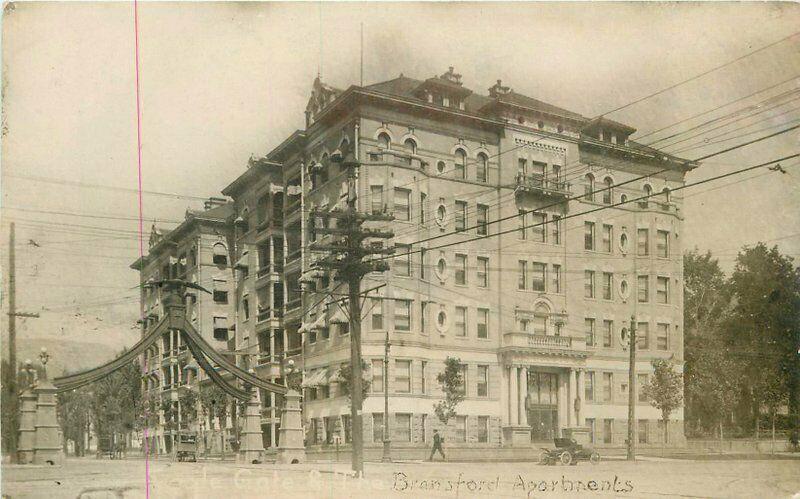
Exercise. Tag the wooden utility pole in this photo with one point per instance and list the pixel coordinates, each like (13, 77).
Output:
(347, 256)
(12, 349)
(632, 391)
(387, 457)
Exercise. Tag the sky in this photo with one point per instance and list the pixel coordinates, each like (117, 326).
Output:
(220, 82)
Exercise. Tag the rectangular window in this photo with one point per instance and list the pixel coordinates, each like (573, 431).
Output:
(608, 283)
(402, 260)
(376, 197)
(423, 201)
(377, 376)
(402, 427)
(461, 216)
(423, 312)
(377, 427)
(461, 321)
(555, 226)
(592, 430)
(220, 296)
(588, 236)
(461, 429)
(662, 289)
(556, 279)
(522, 166)
(483, 220)
(483, 272)
(589, 328)
(662, 336)
(424, 428)
(522, 225)
(643, 291)
(402, 204)
(463, 387)
(539, 276)
(402, 376)
(423, 376)
(377, 314)
(608, 333)
(588, 387)
(643, 335)
(588, 284)
(641, 382)
(642, 431)
(608, 431)
(483, 429)
(662, 244)
(608, 237)
(483, 323)
(423, 262)
(482, 169)
(402, 315)
(538, 227)
(523, 275)
(461, 269)
(642, 242)
(483, 381)
(608, 387)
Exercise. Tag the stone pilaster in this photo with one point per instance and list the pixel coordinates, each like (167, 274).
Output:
(27, 427)
(252, 448)
(47, 446)
(291, 449)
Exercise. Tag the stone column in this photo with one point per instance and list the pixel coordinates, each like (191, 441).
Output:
(47, 446)
(513, 397)
(523, 391)
(581, 391)
(563, 404)
(27, 427)
(291, 448)
(573, 387)
(252, 448)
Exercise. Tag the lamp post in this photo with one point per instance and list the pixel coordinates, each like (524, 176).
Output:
(386, 441)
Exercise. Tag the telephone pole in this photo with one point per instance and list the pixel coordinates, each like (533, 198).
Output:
(632, 391)
(348, 256)
(387, 457)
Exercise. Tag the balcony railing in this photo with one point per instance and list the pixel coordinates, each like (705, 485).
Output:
(535, 182)
(524, 339)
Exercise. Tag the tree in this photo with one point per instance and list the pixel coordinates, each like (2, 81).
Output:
(664, 390)
(452, 383)
(763, 328)
(215, 402)
(116, 402)
(344, 375)
(74, 414)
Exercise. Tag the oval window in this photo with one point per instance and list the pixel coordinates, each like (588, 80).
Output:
(624, 291)
(440, 166)
(441, 269)
(623, 242)
(441, 214)
(441, 321)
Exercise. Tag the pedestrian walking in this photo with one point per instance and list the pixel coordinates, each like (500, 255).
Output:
(437, 445)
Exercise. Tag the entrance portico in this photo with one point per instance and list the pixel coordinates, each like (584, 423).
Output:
(543, 392)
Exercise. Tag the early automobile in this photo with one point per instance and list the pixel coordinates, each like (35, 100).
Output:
(568, 452)
(187, 447)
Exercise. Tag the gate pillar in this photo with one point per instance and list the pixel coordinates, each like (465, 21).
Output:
(252, 448)
(27, 427)
(47, 445)
(291, 448)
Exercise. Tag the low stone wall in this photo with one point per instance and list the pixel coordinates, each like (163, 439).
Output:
(739, 445)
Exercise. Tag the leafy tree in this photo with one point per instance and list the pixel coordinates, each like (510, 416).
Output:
(452, 383)
(344, 376)
(665, 390)
(74, 416)
(763, 328)
(116, 402)
(214, 402)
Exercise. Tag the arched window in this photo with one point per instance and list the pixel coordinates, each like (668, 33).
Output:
(220, 254)
(384, 141)
(540, 316)
(461, 163)
(644, 203)
(666, 198)
(608, 193)
(411, 145)
(483, 167)
(589, 187)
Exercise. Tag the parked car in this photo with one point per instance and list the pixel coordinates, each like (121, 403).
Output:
(187, 447)
(568, 452)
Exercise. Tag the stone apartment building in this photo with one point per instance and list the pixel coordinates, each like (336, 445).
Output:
(534, 306)
(197, 250)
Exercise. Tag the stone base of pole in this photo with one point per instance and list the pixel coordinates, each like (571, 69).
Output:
(387, 451)
(252, 448)
(47, 446)
(291, 448)
(27, 427)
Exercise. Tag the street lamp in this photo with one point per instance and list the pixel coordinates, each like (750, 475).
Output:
(386, 442)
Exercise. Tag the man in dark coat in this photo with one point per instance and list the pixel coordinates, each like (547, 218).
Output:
(437, 445)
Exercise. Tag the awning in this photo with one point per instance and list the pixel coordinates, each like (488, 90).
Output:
(220, 322)
(294, 190)
(319, 377)
(275, 188)
(338, 316)
(242, 262)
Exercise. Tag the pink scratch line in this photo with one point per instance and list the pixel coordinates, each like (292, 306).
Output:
(141, 222)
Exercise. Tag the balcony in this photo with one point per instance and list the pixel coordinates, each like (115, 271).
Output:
(269, 318)
(536, 183)
(540, 343)
(268, 367)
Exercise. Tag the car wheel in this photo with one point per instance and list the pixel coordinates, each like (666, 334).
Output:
(594, 458)
(566, 458)
(544, 457)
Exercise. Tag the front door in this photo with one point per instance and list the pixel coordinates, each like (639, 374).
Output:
(542, 405)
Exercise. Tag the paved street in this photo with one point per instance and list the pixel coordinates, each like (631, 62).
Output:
(648, 478)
